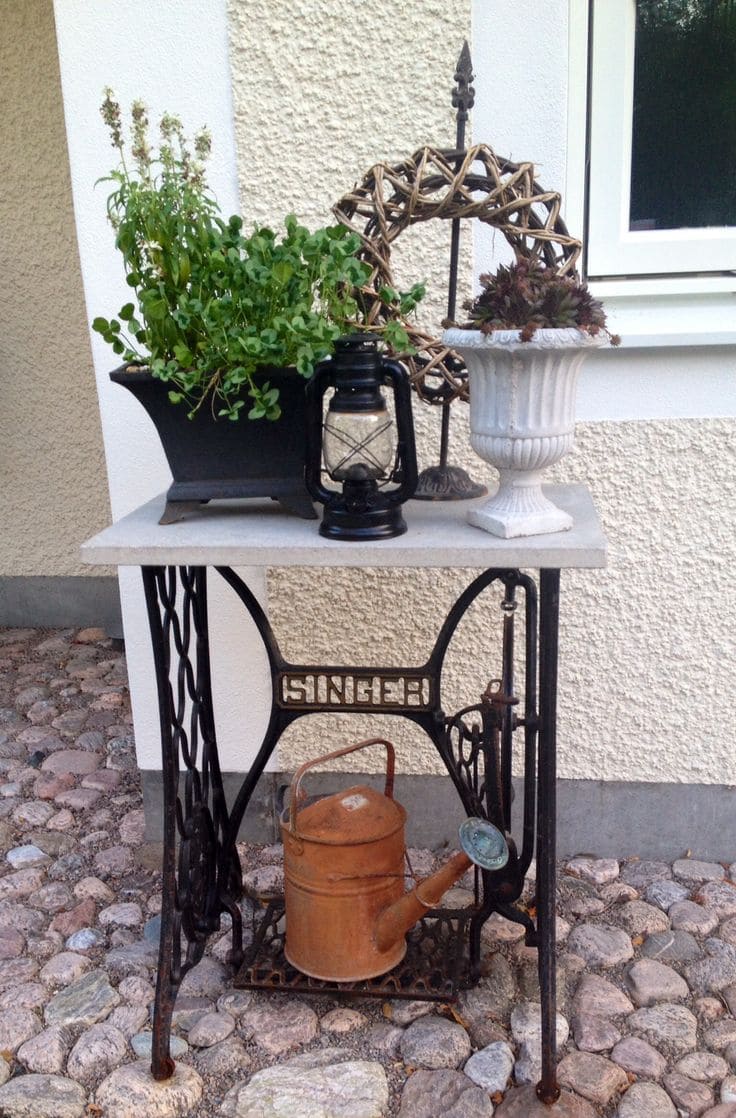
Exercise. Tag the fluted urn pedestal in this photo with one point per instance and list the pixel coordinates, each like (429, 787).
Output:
(522, 419)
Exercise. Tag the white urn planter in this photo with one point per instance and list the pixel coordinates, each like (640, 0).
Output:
(522, 419)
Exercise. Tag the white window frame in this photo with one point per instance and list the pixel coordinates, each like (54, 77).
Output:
(671, 302)
(613, 248)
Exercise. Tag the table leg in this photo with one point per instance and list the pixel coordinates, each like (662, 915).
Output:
(547, 1088)
(195, 814)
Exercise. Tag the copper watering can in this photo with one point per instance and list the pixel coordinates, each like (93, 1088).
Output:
(347, 913)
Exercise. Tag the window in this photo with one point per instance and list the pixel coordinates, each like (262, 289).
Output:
(662, 138)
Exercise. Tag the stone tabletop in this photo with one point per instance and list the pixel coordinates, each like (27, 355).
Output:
(258, 533)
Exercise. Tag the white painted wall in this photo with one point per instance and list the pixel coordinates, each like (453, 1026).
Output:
(664, 509)
(174, 56)
(529, 61)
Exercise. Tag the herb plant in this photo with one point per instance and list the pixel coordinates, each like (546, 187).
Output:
(215, 307)
(527, 296)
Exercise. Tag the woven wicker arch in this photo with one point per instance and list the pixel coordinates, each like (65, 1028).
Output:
(437, 183)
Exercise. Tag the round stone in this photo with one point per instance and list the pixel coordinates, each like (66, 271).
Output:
(600, 945)
(594, 1077)
(690, 869)
(638, 1057)
(526, 1024)
(687, 1095)
(594, 1034)
(42, 1096)
(46, 1052)
(434, 1043)
(599, 997)
(235, 1002)
(76, 761)
(497, 929)
(646, 1100)
(211, 1029)
(710, 975)
(16, 1027)
(97, 1052)
(279, 1027)
(208, 979)
(12, 943)
(651, 982)
(687, 916)
(671, 947)
(522, 1102)
(342, 1019)
(640, 873)
(702, 1066)
(131, 1091)
(223, 1059)
(121, 915)
(64, 969)
(142, 1045)
(718, 897)
(485, 1006)
(20, 857)
(526, 1028)
(641, 919)
(385, 1038)
(598, 871)
(342, 1090)
(664, 894)
(491, 1067)
(670, 1028)
(84, 940)
(720, 1036)
(84, 1003)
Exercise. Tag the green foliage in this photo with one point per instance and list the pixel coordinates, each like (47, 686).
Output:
(214, 305)
(528, 296)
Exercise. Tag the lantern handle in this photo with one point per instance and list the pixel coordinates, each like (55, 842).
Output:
(296, 792)
(321, 380)
(395, 374)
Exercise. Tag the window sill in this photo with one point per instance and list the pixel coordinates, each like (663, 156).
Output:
(647, 319)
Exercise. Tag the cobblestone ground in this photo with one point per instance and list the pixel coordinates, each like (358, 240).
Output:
(647, 961)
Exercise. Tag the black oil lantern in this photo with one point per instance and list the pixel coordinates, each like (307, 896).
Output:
(368, 455)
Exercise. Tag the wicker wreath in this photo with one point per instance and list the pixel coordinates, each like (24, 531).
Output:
(434, 183)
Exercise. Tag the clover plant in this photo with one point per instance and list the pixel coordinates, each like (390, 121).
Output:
(216, 307)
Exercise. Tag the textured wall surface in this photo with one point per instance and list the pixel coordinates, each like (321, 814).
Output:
(323, 91)
(53, 491)
(647, 645)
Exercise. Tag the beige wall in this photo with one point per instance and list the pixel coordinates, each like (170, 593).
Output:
(647, 645)
(53, 492)
(321, 92)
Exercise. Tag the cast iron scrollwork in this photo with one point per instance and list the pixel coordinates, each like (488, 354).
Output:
(195, 810)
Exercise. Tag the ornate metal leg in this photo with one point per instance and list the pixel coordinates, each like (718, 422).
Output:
(176, 601)
(547, 1088)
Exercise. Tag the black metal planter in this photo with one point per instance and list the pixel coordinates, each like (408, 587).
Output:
(211, 457)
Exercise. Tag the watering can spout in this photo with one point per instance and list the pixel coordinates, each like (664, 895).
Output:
(483, 845)
(394, 922)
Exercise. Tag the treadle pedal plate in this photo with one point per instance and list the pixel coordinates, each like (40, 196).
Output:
(435, 967)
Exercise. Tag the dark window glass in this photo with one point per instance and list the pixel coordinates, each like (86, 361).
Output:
(683, 171)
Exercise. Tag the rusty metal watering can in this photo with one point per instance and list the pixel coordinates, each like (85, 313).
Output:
(347, 913)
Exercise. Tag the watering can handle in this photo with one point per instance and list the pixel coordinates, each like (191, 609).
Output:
(297, 779)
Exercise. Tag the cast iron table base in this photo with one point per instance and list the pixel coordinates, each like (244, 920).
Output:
(202, 876)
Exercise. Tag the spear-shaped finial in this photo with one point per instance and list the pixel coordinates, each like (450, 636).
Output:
(463, 95)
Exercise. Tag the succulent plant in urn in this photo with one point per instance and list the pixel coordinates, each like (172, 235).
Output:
(527, 334)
